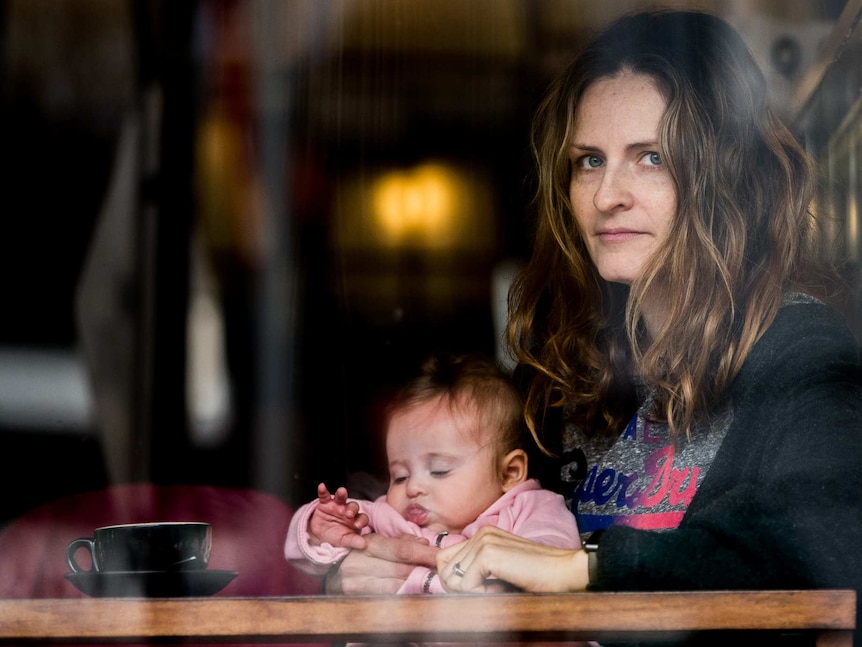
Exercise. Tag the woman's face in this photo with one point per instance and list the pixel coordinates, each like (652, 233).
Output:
(621, 192)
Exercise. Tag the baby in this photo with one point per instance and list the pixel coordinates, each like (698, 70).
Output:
(453, 444)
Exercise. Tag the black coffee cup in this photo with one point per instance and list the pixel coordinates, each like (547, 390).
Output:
(162, 546)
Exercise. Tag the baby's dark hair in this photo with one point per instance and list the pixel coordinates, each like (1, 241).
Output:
(470, 380)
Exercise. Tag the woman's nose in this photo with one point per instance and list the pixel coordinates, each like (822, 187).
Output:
(613, 192)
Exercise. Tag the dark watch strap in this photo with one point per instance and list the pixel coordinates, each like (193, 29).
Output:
(591, 545)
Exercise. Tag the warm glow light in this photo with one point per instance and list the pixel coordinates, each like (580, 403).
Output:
(435, 207)
(417, 204)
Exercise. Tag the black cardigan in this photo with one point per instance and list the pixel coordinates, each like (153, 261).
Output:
(780, 507)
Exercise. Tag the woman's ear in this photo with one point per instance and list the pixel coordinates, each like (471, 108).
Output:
(513, 469)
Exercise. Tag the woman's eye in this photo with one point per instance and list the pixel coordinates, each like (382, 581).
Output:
(439, 473)
(399, 479)
(589, 161)
(653, 158)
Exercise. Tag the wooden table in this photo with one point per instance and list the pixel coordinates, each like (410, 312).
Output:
(830, 615)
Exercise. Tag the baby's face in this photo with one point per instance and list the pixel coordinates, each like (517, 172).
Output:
(442, 472)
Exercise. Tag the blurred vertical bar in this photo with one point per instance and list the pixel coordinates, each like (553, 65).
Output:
(149, 113)
(275, 423)
(4, 22)
(167, 99)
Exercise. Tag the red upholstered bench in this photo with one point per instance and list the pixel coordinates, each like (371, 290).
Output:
(249, 528)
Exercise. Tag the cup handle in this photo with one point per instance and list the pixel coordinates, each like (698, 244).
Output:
(73, 547)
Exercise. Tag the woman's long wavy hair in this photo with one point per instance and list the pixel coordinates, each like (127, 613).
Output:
(741, 237)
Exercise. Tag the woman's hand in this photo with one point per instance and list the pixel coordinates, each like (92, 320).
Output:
(494, 553)
(382, 567)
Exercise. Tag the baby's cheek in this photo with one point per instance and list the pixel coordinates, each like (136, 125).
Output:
(394, 499)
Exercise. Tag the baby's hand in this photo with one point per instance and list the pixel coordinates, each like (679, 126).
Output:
(336, 520)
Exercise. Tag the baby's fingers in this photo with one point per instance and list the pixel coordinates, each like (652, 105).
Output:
(341, 495)
(323, 494)
(361, 521)
(351, 509)
(354, 541)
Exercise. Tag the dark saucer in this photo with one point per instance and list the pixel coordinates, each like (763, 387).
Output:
(151, 584)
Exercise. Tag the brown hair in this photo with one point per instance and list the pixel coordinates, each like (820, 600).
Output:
(468, 381)
(741, 237)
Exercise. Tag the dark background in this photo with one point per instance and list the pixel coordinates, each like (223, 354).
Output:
(255, 121)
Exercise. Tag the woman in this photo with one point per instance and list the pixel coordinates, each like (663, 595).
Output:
(713, 407)
(673, 242)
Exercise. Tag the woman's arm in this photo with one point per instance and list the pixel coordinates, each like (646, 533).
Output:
(779, 507)
(525, 564)
(382, 567)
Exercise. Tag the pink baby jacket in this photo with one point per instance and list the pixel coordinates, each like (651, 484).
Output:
(526, 510)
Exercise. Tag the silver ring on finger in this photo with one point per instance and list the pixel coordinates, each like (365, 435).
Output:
(456, 568)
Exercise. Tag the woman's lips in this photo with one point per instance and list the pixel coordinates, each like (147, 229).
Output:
(417, 514)
(617, 235)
